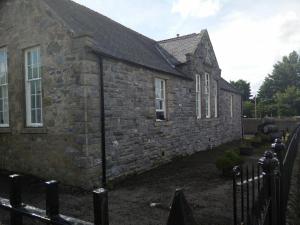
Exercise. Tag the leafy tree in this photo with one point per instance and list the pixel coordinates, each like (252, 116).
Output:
(248, 109)
(285, 73)
(288, 102)
(244, 87)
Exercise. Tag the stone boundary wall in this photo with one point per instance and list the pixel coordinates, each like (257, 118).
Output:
(250, 124)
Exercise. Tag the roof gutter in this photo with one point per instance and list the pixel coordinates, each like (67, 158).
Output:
(103, 55)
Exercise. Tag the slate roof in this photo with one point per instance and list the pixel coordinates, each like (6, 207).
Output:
(112, 38)
(180, 46)
(226, 86)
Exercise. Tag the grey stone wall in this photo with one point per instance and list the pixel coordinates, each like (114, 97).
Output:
(64, 147)
(136, 141)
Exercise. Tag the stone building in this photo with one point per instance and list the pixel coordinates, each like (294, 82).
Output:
(161, 99)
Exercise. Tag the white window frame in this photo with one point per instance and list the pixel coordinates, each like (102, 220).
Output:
(4, 89)
(198, 96)
(161, 97)
(231, 106)
(207, 95)
(216, 98)
(28, 90)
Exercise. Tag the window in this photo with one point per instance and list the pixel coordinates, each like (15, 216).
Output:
(198, 96)
(160, 100)
(4, 108)
(33, 86)
(231, 105)
(216, 97)
(207, 95)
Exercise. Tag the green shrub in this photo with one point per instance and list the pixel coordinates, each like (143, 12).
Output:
(256, 141)
(265, 138)
(228, 160)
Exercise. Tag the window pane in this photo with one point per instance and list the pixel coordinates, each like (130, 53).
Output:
(162, 92)
(161, 104)
(33, 106)
(29, 72)
(33, 87)
(6, 118)
(1, 105)
(29, 61)
(157, 104)
(157, 83)
(38, 101)
(34, 57)
(1, 118)
(39, 115)
(157, 93)
(35, 72)
(33, 116)
(4, 91)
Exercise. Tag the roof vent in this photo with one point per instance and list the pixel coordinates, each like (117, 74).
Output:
(177, 35)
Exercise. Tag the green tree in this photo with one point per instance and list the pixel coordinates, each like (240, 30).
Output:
(248, 109)
(244, 87)
(288, 102)
(285, 73)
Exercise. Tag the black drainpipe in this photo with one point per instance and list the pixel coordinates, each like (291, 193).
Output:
(103, 150)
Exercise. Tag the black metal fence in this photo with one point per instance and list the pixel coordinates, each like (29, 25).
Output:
(260, 192)
(180, 212)
(18, 210)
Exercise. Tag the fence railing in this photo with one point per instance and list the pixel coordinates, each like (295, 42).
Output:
(18, 210)
(260, 193)
(180, 212)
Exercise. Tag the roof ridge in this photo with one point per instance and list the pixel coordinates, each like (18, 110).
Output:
(179, 38)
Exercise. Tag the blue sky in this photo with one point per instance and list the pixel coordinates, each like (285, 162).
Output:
(248, 36)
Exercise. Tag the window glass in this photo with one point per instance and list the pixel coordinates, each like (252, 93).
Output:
(33, 88)
(160, 102)
(4, 106)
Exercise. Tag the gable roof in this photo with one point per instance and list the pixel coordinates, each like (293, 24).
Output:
(226, 86)
(180, 46)
(112, 38)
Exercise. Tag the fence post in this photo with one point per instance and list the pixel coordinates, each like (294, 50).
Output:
(180, 212)
(15, 198)
(278, 147)
(52, 199)
(101, 216)
(269, 165)
(236, 172)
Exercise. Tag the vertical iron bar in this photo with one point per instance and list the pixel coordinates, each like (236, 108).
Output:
(52, 199)
(253, 185)
(101, 216)
(234, 199)
(258, 180)
(253, 192)
(242, 196)
(247, 190)
(15, 198)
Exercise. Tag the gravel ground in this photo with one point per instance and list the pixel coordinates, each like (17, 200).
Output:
(208, 194)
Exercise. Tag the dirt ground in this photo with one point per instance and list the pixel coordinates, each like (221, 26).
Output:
(208, 194)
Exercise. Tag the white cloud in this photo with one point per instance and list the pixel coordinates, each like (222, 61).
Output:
(248, 46)
(196, 8)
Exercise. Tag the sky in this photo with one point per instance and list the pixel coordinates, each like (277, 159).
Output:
(248, 36)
